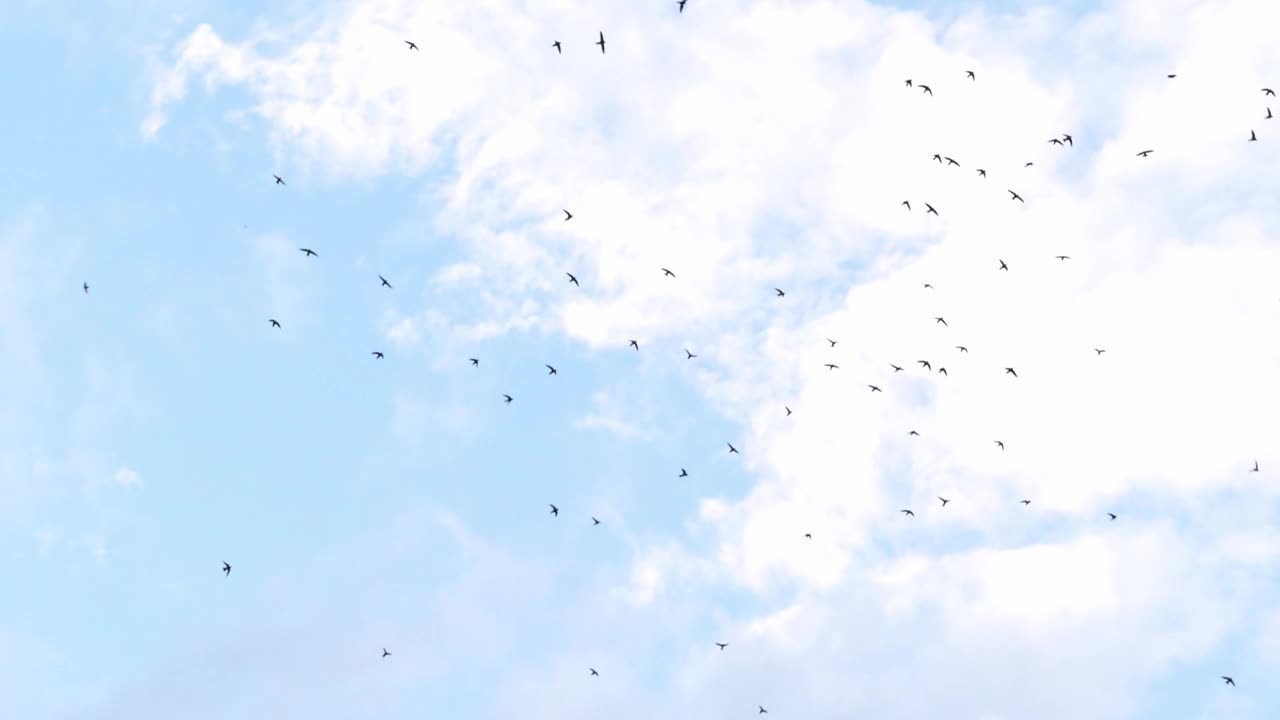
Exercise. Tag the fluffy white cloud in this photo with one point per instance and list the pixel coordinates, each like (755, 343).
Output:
(750, 145)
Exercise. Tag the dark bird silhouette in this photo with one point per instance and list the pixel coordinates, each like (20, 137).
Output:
(808, 536)
(1145, 153)
(937, 157)
(551, 370)
(593, 672)
(635, 345)
(556, 45)
(86, 288)
(732, 449)
(1010, 371)
(274, 322)
(1070, 141)
(722, 646)
(411, 45)
(779, 292)
(970, 74)
(962, 348)
(1016, 196)
(385, 284)
(997, 442)
(944, 501)
(927, 89)
(874, 388)
(930, 209)
(1025, 502)
(668, 273)
(762, 710)
(554, 510)
(908, 82)
(951, 161)
(507, 399)
(567, 215)
(1099, 351)
(943, 371)
(913, 432)
(600, 42)
(941, 320)
(907, 512)
(982, 173)
(1255, 466)
(1113, 515)
(1062, 257)
(1253, 136)
(1002, 265)
(684, 473)
(573, 279)
(474, 361)
(1268, 117)
(681, 4)
(1228, 681)
(1269, 91)
(308, 252)
(594, 521)
(279, 180)
(1172, 76)
(904, 202)
(1028, 165)
(895, 367)
(385, 653)
(925, 364)
(1055, 141)
(833, 342)
(784, 407)
(226, 569)
(689, 355)
(377, 354)
(831, 366)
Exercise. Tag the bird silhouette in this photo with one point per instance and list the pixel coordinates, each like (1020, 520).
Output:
(1099, 351)
(1003, 266)
(556, 45)
(1025, 502)
(594, 521)
(385, 653)
(930, 209)
(1010, 371)
(1070, 141)
(831, 366)
(507, 399)
(279, 180)
(226, 569)
(554, 510)
(895, 367)
(1145, 153)
(86, 288)
(411, 45)
(1062, 257)
(808, 536)
(567, 215)
(681, 3)
(908, 81)
(1269, 116)
(1269, 91)
(1017, 197)
(722, 646)
(982, 173)
(997, 442)
(1255, 466)
(927, 89)
(941, 320)
(962, 348)
(1055, 141)
(833, 342)
(1253, 136)
(668, 273)
(925, 364)
(1113, 515)
(779, 292)
(274, 322)
(635, 345)
(970, 74)
(938, 158)
(684, 473)
(944, 501)
(593, 672)
(385, 284)
(913, 432)
(573, 279)
(784, 407)
(762, 710)
(308, 252)
(908, 204)
(550, 370)
(376, 354)
(689, 355)
(943, 371)
(907, 512)
(874, 388)
(1228, 681)
(474, 361)
(600, 42)
(951, 161)
(732, 449)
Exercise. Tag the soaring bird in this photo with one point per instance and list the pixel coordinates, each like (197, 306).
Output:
(874, 388)
(1269, 115)
(507, 399)
(1253, 136)
(1113, 515)
(941, 320)
(908, 81)
(982, 173)
(1228, 680)
(635, 345)
(594, 521)
(689, 355)
(226, 569)
(279, 180)
(385, 653)
(551, 370)
(308, 252)
(684, 473)
(1099, 350)
(554, 510)
(930, 209)
(962, 348)
(927, 89)
(600, 42)
(951, 161)
(732, 449)
(722, 646)
(907, 203)
(943, 371)
(1145, 153)
(1055, 141)
(762, 710)
(970, 74)
(1255, 466)
(377, 354)
(667, 273)
(784, 407)
(925, 364)
(411, 45)
(86, 288)
(385, 284)
(937, 157)
(1062, 257)
(1269, 91)
(1010, 371)
(808, 536)
(1016, 196)
(1002, 265)
(907, 512)
(944, 501)
(927, 286)
(913, 432)
(1001, 444)
(895, 367)
(593, 672)
(779, 292)
(567, 215)
(833, 342)
(556, 45)
(831, 366)
(1025, 502)
(474, 361)
(274, 322)
(573, 279)
(1069, 139)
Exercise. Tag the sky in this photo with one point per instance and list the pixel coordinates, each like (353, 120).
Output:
(157, 425)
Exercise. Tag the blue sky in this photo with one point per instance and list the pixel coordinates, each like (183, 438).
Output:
(158, 425)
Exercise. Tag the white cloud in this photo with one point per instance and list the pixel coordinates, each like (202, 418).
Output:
(748, 145)
(125, 477)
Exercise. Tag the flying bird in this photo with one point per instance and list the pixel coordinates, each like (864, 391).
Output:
(594, 521)
(1028, 165)
(779, 292)
(808, 536)
(1253, 136)
(308, 252)
(941, 320)
(982, 173)
(944, 501)
(762, 710)
(684, 473)
(681, 4)
(927, 89)
(895, 367)
(600, 42)
(385, 284)
(874, 388)
(833, 342)
(1113, 515)
(567, 215)
(1145, 153)
(1016, 196)
(1099, 351)
(474, 361)
(1228, 681)
(943, 371)
(1001, 444)
(722, 646)
(784, 407)
(913, 432)
(635, 345)
(551, 370)
(593, 672)
(970, 74)
(908, 82)
(908, 512)
(831, 366)
(377, 354)
(411, 45)
(556, 45)
(689, 355)
(930, 209)
(1268, 117)
(1025, 502)
(1269, 91)
(385, 653)
(1002, 265)
(507, 399)
(668, 273)
(1062, 257)
(274, 322)
(1010, 371)
(1255, 466)
(962, 348)
(732, 449)
(937, 157)
(928, 286)
(908, 204)
(279, 180)
(925, 364)
(554, 510)
(1069, 139)
(1055, 141)
(573, 279)
(951, 161)
(226, 569)
(86, 288)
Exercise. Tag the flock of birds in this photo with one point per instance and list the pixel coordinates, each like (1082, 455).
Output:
(1065, 140)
